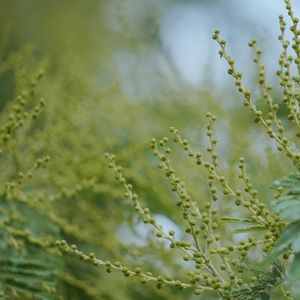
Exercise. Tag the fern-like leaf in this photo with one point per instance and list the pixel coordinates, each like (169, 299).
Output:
(287, 205)
(268, 278)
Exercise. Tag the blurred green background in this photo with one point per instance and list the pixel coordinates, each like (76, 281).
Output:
(120, 73)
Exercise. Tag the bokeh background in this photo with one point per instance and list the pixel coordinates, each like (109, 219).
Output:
(121, 72)
(146, 46)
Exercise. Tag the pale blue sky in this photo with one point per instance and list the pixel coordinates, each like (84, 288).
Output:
(186, 30)
(186, 55)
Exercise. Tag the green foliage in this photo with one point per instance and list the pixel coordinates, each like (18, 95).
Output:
(266, 281)
(59, 203)
(286, 203)
(22, 276)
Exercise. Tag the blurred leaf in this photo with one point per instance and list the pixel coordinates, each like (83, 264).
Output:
(236, 220)
(250, 228)
(288, 203)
